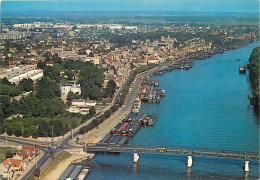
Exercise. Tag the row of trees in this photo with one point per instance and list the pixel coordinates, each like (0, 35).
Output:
(254, 77)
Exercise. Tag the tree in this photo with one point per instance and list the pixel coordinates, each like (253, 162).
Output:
(37, 172)
(56, 59)
(92, 111)
(70, 97)
(26, 133)
(17, 132)
(31, 177)
(35, 134)
(110, 89)
(91, 76)
(9, 131)
(26, 85)
(6, 82)
(47, 89)
(48, 56)
(69, 74)
(8, 154)
(43, 129)
(41, 64)
(95, 93)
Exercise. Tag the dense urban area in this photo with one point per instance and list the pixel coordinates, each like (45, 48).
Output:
(56, 74)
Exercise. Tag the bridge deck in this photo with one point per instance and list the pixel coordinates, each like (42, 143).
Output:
(153, 149)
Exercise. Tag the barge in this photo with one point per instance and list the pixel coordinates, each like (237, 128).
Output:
(129, 126)
(149, 94)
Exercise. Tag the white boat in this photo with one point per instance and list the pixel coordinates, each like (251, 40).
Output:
(84, 173)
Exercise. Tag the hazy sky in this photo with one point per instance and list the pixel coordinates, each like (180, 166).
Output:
(133, 5)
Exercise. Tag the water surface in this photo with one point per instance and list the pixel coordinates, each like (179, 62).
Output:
(205, 107)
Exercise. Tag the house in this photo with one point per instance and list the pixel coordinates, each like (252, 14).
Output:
(29, 148)
(72, 86)
(153, 60)
(50, 63)
(26, 155)
(13, 165)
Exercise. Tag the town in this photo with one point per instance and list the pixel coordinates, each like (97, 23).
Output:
(57, 75)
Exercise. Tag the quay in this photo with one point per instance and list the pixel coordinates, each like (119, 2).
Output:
(172, 150)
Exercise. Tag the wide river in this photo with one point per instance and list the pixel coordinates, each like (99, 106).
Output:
(205, 107)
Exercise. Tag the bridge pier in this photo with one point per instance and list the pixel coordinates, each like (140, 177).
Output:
(136, 157)
(190, 161)
(246, 169)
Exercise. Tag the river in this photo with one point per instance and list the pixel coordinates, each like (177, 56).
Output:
(205, 107)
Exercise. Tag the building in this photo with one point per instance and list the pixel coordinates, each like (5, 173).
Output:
(17, 73)
(70, 86)
(153, 60)
(14, 35)
(78, 102)
(13, 165)
(78, 109)
(95, 60)
(91, 103)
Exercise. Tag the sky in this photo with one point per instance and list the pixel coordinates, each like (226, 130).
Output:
(250, 6)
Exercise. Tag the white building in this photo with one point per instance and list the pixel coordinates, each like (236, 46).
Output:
(78, 102)
(18, 73)
(70, 86)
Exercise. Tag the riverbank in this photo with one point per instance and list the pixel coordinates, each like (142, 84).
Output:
(96, 134)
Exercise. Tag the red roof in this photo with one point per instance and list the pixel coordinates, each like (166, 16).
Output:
(33, 63)
(14, 162)
(28, 148)
(23, 154)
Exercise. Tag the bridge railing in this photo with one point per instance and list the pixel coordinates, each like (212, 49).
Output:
(173, 150)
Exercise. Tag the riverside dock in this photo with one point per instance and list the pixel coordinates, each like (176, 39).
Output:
(149, 93)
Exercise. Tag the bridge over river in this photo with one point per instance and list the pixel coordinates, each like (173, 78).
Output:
(187, 151)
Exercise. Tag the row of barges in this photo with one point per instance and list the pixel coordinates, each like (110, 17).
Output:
(129, 126)
(184, 64)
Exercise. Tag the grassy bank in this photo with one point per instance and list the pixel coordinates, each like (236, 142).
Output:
(54, 164)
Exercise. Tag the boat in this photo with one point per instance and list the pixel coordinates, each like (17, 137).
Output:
(238, 59)
(137, 105)
(162, 92)
(242, 69)
(158, 99)
(83, 174)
